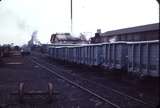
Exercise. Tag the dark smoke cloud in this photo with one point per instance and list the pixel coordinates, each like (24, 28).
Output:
(13, 28)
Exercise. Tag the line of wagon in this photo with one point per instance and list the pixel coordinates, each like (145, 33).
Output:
(141, 57)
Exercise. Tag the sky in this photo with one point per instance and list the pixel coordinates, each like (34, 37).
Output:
(20, 18)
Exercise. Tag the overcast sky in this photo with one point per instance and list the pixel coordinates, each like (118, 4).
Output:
(19, 18)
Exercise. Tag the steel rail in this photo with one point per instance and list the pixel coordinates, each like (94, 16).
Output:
(77, 85)
(114, 90)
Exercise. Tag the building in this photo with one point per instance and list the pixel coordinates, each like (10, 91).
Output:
(66, 38)
(97, 38)
(139, 33)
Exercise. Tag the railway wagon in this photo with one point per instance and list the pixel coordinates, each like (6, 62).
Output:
(85, 55)
(105, 55)
(78, 55)
(70, 54)
(82, 54)
(75, 58)
(143, 58)
(50, 52)
(115, 55)
(65, 53)
(75, 55)
(95, 55)
(92, 55)
(60, 53)
(136, 57)
(89, 55)
(56, 53)
(54, 49)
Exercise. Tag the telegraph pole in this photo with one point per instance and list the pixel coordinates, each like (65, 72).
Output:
(71, 18)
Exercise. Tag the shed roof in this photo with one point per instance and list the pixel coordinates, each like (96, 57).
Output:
(65, 37)
(149, 27)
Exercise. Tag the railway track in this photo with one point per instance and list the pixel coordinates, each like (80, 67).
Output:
(114, 97)
(77, 85)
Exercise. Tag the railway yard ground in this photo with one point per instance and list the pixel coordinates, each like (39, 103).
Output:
(77, 86)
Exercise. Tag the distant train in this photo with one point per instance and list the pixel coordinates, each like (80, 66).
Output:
(141, 58)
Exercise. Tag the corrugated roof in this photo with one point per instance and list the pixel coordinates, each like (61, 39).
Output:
(66, 37)
(149, 27)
